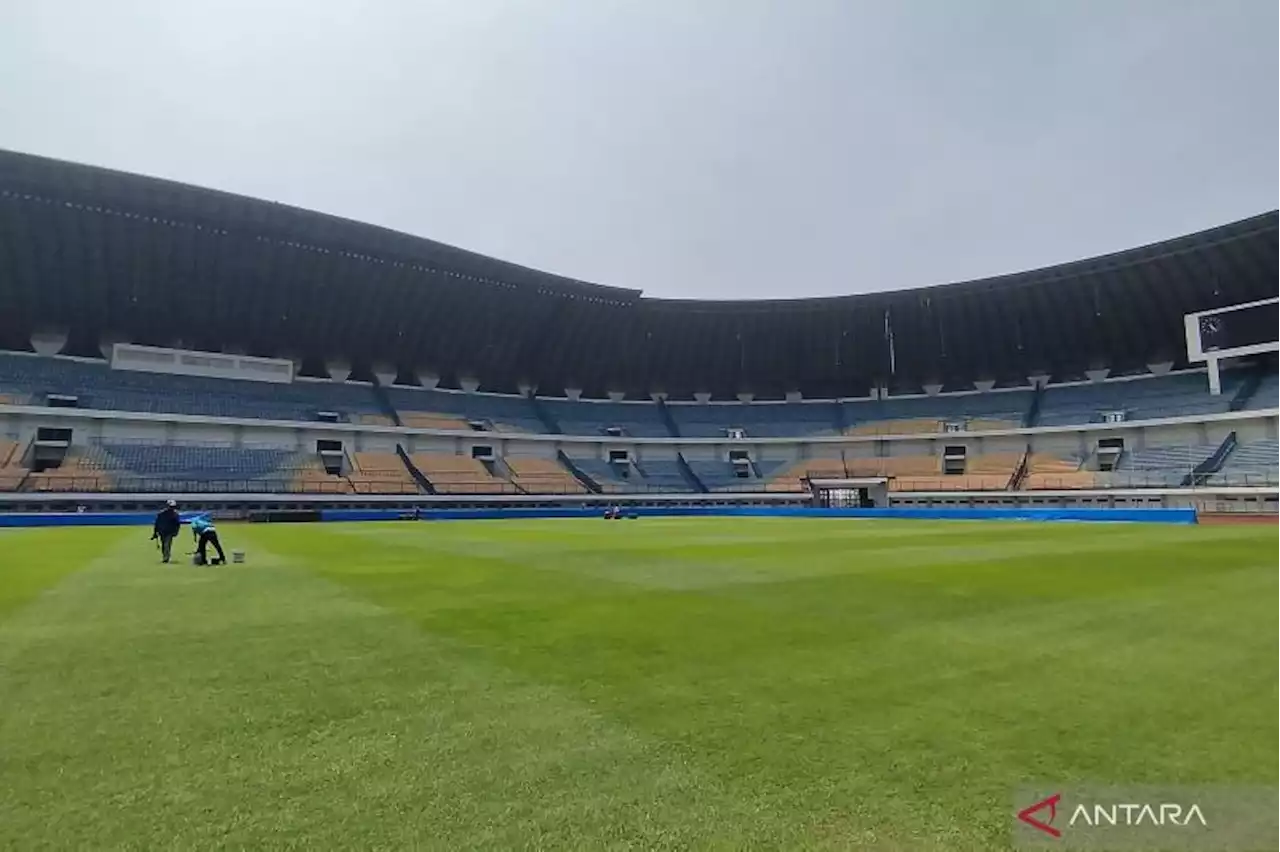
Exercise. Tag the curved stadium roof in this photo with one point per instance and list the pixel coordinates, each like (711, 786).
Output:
(101, 253)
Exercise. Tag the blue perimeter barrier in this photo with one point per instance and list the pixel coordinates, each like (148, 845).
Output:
(83, 519)
(953, 513)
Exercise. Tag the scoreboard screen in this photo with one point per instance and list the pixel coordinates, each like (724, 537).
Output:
(1243, 327)
(1238, 330)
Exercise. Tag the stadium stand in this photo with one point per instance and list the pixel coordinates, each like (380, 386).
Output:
(790, 476)
(592, 417)
(894, 466)
(80, 470)
(307, 475)
(663, 475)
(609, 476)
(1267, 394)
(632, 476)
(96, 385)
(430, 408)
(973, 412)
(12, 473)
(380, 473)
(1047, 472)
(1174, 395)
(720, 475)
(1157, 466)
(756, 420)
(134, 467)
(453, 474)
(542, 476)
(1250, 463)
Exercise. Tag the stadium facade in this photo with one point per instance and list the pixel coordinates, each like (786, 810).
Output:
(395, 354)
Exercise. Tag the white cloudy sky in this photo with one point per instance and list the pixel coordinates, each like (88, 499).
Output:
(708, 148)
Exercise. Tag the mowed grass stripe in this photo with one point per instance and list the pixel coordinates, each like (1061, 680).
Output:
(33, 560)
(262, 707)
(912, 688)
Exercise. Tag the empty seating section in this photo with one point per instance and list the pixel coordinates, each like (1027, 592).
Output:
(788, 476)
(610, 476)
(1267, 394)
(1174, 395)
(79, 471)
(12, 473)
(542, 476)
(893, 466)
(912, 415)
(644, 476)
(757, 420)
(1161, 466)
(182, 468)
(380, 473)
(452, 474)
(663, 475)
(1250, 463)
(426, 408)
(591, 417)
(96, 385)
(1048, 472)
(986, 472)
(427, 420)
(720, 475)
(308, 476)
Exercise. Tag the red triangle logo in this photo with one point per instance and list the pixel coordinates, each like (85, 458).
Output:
(1026, 815)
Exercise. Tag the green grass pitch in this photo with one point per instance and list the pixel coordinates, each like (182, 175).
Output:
(653, 684)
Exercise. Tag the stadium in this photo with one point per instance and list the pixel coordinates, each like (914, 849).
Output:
(825, 623)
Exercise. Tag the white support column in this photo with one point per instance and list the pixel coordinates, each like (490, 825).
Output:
(1215, 380)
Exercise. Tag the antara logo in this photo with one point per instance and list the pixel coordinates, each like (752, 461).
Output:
(1043, 813)
(1027, 815)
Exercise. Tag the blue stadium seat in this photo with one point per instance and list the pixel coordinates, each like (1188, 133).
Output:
(1174, 395)
(176, 467)
(757, 419)
(1251, 463)
(592, 417)
(96, 385)
(720, 475)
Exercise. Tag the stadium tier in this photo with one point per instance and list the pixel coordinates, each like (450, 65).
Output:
(1251, 463)
(27, 379)
(757, 420)
(35, 380)
(591, 417)
(1146, 398)
(437, 409)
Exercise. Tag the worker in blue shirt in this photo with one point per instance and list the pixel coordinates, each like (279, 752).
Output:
(205, 534)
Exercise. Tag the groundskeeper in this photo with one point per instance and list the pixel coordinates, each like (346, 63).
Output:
(166, 528)
(203, 530)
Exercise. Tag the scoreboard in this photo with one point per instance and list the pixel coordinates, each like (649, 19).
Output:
(1238, 330)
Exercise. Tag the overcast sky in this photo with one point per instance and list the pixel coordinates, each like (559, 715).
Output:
(689, 148)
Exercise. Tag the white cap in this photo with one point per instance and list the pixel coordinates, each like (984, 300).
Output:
(170, 503)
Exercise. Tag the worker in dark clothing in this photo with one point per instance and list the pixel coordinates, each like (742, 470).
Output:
(166, 528)
(205, 535)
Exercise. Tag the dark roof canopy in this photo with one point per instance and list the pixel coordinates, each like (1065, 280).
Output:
(104, 254)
